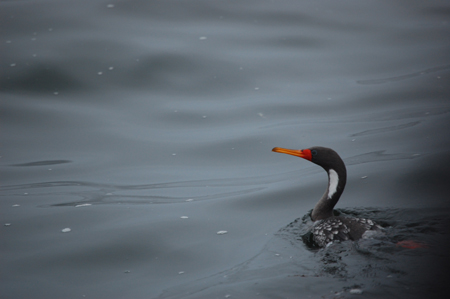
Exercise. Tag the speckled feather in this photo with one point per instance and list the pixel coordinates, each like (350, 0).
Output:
(341, 229)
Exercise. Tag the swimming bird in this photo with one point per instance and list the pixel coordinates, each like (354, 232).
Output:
(327, 227)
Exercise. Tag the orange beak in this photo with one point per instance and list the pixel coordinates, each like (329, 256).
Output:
(305, 154)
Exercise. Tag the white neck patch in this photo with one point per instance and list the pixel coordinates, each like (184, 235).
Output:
(334, 179)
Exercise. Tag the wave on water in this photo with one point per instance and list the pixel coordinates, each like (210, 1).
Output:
(380, 266)
(405, 77)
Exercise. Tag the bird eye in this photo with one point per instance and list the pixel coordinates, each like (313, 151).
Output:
(313, 152)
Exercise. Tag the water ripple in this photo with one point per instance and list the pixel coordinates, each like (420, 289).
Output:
(404, 77)
(386, 129)
(42, 163)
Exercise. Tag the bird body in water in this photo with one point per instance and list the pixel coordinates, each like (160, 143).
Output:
(327, 227)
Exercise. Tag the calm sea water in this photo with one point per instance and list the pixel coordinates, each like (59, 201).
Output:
(132, 132)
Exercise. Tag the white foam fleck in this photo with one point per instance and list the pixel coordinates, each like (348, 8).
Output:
(356, 291)
(83, 205)
(222, 232)
(66, 230)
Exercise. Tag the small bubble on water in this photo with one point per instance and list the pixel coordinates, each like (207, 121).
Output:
(356, 291)
(66, 230)
(222, 232)
(110, 6)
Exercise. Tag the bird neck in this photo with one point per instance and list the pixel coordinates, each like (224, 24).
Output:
(336, 184)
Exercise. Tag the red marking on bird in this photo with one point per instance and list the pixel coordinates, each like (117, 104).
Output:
(411, 244)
